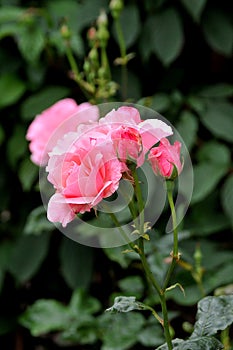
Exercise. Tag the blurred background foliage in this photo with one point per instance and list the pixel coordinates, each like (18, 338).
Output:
(53, 291)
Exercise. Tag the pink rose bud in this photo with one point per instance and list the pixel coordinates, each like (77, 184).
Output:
(91, 34)
(165, 159)
(128, 143)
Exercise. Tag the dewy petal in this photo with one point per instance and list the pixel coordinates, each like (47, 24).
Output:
(152, 131)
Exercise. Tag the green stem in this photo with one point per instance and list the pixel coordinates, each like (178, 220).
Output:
(144, 261)
(166, 322)
(72, 63)
(140, 202)
(105, 63)
(121, 41)
(160, 292)
(225, 338)
(146, 266)
(84, 86)
(122, 232)
(175, 252)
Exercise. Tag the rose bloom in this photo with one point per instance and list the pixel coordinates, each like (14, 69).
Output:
(84, 170)
(53, 123)
(86, 166)
(132, 136)
(165, 159)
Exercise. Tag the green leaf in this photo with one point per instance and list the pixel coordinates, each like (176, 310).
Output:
(37, 222)
(82, 303)
(213, 314)
(45, 316)
(88, 12)
(11, 13)
(16, 146)
(196, 103)
(159, 102)
(220, 276)
(126, 304)
(206, 177)
(203, 343)
(206, 219)
(77, 15)
(28, 173)
(74, 322)
(218, 90)
(11, 89)
(63, 9)
(166, 35)
(216, 153)
(132, 285)
(38, 102)
(218, 31)
(195, 9)
(217, 264)
(73, 257)
(130, 24)
(151, 335)
(84, 333)
(218, 119)
(117, 254)
(114, 333)
(227, 197)
(31, 42)
(27, 256)
(81, 327)
(9, 29)
(187, 127)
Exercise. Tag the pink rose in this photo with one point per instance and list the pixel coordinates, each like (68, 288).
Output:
(132, 136)
(84, 170)
(165, 159)
(86, 165)
(53, 123)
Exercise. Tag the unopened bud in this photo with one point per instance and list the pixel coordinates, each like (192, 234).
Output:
(198, 255)
(86, 66)
(103, 36)
(65, 32)
(91, 34)
(93, 55)
(116, 6)
(102, 20)
(101, 73)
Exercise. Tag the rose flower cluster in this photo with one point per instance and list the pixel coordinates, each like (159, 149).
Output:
(87, 156)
